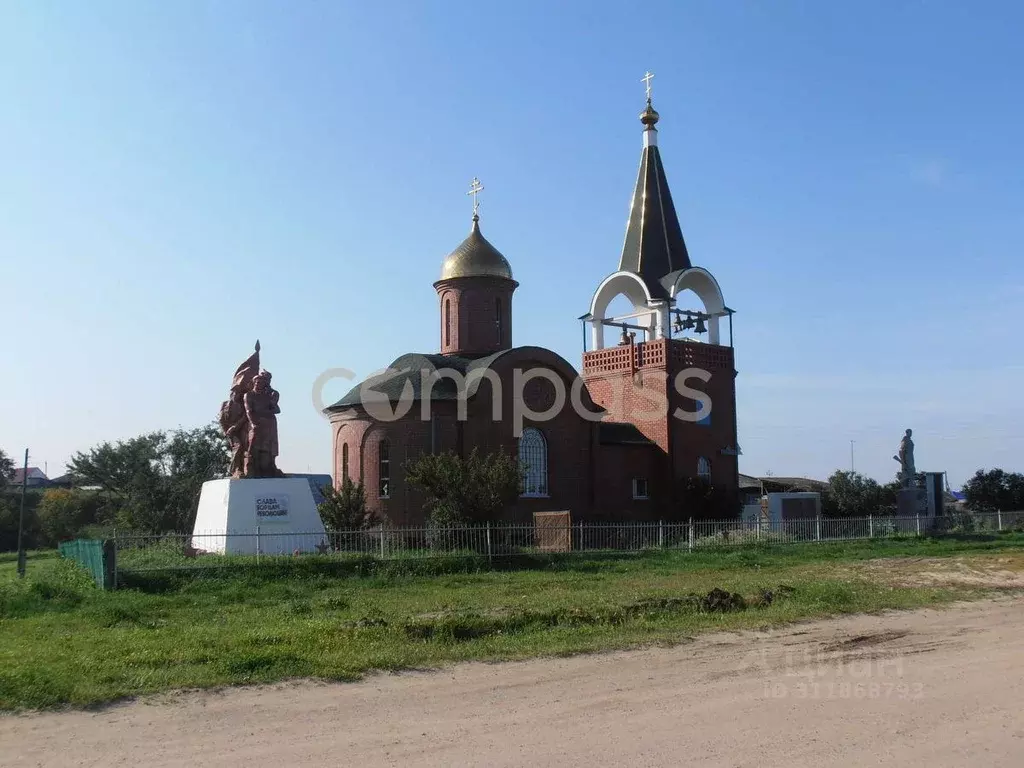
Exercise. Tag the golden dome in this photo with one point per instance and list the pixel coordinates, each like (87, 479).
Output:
(475, 257)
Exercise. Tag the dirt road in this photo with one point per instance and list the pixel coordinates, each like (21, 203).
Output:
(930, 688)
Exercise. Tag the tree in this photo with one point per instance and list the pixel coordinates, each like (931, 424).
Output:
(155, 480)
(995, 489)
(466, 490)
(10, 514)
(851, 494)
(63, 513)
(345, 510)
(6, 468)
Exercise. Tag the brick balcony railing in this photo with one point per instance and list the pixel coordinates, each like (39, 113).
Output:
(652, 354)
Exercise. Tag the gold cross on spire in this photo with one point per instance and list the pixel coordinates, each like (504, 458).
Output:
(646, 80)
(475, 188)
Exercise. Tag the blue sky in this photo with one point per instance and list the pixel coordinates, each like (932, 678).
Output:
(181, 178)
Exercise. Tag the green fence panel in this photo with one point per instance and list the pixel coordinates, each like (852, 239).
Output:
(95, 555)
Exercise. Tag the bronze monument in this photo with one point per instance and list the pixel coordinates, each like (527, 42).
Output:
(248, 419)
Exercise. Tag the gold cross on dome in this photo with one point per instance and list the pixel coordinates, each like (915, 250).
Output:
(475, 188)
(646, 80)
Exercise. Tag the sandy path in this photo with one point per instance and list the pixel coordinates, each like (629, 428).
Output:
(938, 688)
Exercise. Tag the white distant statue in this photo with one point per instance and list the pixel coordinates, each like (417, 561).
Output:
(905, 457)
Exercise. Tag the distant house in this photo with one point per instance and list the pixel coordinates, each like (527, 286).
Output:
(36, 478)
(64, 481)
(753, 488)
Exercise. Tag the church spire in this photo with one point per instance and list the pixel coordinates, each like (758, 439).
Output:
(654, 244)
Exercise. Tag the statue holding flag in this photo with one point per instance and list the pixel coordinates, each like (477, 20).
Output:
(248, 419)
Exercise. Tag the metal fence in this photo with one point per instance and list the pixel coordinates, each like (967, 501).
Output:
(138, 553)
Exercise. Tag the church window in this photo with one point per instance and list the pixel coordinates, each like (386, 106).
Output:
(384, 473)
(533, 460)
(447, 322)
(639, 487)
(435, 433)
(497, 320)
(704, 469)
(344, 462)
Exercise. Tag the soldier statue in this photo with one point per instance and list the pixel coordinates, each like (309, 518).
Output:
(261, 409)
(905, 456)
(248, 419)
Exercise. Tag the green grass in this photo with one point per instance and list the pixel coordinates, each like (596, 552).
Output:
(64, 642)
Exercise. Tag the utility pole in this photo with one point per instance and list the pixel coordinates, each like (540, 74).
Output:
(21, 521)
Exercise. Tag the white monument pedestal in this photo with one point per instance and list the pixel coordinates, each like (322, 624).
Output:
(270, 516)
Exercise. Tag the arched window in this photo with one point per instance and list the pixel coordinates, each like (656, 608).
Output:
(497, 320)
(704, 469)
(384, 470)
(344, 462)
(533, 460)
(447, 322)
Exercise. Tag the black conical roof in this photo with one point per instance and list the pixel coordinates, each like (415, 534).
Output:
(654, 244)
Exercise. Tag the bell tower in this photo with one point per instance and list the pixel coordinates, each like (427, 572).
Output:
(475, 294)
(671, 374)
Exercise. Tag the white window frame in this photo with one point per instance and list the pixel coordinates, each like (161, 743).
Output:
(636, 488)
(535, 480)
(384, 462)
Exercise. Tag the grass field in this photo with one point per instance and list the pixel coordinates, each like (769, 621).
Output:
(64, 642)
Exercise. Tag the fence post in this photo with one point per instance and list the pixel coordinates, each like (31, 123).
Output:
(257, 544)
(661, 534)
(110, 564)
(999, 519)
(917, 523)
(817, 528)
(757, 522)
(690, 542)
(382, 542)
(581, 536)
(488, 541)
(871, 526)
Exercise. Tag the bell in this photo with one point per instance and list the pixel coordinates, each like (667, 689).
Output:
(688, 323)
(624, 339)
(700, 325)
(678, 326)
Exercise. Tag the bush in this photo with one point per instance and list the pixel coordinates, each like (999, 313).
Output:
(63, 513)
(345, 510)
(465, 490)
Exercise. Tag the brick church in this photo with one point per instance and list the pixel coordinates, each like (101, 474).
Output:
(615, 442)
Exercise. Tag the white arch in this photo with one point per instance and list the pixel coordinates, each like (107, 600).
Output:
(632, 286)
(702, 283)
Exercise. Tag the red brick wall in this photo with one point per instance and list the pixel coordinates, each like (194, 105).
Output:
(617, 465)
(651, 367)
(590, 480)
(472, 307)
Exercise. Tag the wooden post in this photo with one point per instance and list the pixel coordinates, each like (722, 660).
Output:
(691, 535)
(110, 564)
(382, 541)
(871, 526)
(817, 528)
(489, 559)
(661, 534)
(999, 519)
(917, 523)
